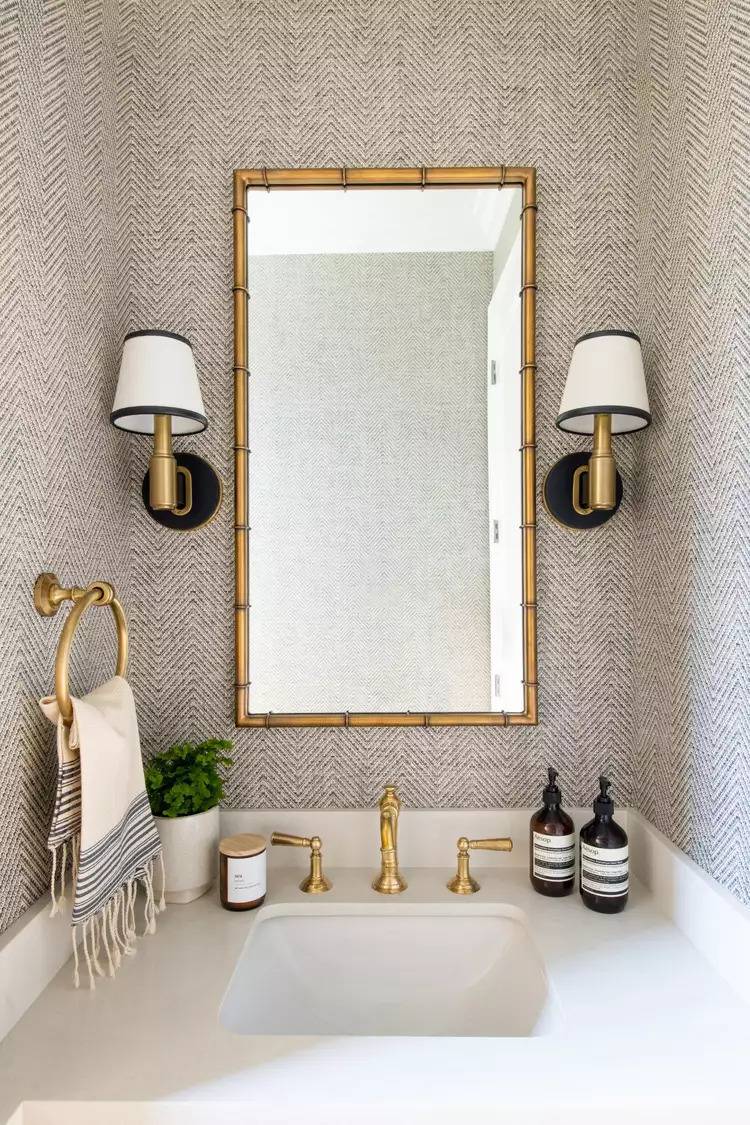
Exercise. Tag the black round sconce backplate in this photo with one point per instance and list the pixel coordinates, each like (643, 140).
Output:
(557, 493)
(207, 494)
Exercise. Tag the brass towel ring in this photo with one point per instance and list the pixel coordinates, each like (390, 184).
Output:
(48, 596)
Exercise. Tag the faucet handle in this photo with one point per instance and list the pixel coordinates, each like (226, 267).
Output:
(291, 841)
(316, 882)
(462, 882)
(493, 844)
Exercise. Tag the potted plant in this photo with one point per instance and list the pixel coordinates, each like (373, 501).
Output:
(185, 786)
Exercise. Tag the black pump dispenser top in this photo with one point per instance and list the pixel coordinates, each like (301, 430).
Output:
(551, 793)
(603, 803)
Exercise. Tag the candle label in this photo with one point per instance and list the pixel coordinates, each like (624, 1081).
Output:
(246, 878)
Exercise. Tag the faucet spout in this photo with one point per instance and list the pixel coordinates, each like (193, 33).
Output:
(390, 881)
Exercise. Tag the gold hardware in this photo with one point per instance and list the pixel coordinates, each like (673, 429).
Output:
(577, 500)
(162, 468)
(356, 178)
(462, 882)
(48, 596)
(187, 479)
(602, 471)
(390, 881)
(316, 882)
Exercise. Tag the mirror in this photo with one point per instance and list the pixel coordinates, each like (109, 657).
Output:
(384, 378)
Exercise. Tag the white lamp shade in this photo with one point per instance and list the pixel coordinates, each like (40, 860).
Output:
(157, 376)
(605, 377)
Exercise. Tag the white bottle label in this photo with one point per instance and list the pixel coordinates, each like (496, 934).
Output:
(604, 871)
(246, 878)
(554, 857)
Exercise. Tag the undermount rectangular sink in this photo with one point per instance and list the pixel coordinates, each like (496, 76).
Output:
(388, 970)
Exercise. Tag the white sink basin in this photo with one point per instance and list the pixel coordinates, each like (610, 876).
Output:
(388, 970)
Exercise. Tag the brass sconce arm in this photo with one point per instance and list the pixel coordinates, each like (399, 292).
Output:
(316, 882)
(599, 471)
(162, 468)
(462, 882)
(163, 472)
(602, 471)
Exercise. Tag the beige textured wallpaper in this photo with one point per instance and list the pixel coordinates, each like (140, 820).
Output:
(692, 548)
(134, 116)
(369, 552)
(65, 497)
(549, 84)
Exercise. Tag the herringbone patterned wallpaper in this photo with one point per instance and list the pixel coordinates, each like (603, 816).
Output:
(121, 126)
(64, 496)
(692, 548)
(211, 87)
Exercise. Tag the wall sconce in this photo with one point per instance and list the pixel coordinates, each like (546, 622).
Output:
(605, 394)
(158, 393)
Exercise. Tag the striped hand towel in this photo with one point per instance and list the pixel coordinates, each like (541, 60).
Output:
(102, 818)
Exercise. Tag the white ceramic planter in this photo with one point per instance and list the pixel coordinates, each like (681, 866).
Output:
(190, 845)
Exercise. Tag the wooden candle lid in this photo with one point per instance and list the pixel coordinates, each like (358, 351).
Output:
(243, 845)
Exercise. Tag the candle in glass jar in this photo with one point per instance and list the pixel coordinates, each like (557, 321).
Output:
(242, 871)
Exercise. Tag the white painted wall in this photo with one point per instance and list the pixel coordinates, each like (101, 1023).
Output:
(374, 221)
(504, 485)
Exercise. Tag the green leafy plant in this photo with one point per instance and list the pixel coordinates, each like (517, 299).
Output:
(185, 779)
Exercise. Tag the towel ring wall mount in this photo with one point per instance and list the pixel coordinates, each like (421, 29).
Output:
(49, 595)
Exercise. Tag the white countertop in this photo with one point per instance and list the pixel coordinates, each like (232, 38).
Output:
(647, 1026)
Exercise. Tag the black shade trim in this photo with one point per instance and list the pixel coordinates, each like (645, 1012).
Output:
(586, 412)
(609, 332)
(159, 332)
(130, 411)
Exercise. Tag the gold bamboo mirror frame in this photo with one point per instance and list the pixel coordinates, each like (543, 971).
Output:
(335, 179)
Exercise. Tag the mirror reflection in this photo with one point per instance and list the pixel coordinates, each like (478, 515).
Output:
(385, 475)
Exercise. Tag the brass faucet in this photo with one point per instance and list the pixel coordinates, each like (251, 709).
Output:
(462, 882)
(390, 881)
(315, 883)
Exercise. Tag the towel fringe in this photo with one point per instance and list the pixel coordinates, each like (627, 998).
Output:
(105, 939)
(132, 935)
(111, 932)
(96, 942)
(126, 937)
(55, 908)
(112, 912)
(92, 982)
(76, 974)
(149, 907)
(162, 900)
(59, 874)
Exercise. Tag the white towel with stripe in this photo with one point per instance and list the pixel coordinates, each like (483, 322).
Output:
(103, 820)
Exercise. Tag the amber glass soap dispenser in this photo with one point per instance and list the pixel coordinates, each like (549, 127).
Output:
(604, 857)
(552, 863)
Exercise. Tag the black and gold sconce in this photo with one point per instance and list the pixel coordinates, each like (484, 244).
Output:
(605, 394)
(158, 393)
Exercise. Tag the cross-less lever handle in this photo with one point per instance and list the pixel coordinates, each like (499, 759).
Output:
(316, 882)
(462, 882)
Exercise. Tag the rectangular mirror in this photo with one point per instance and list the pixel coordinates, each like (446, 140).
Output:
(384, 418)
